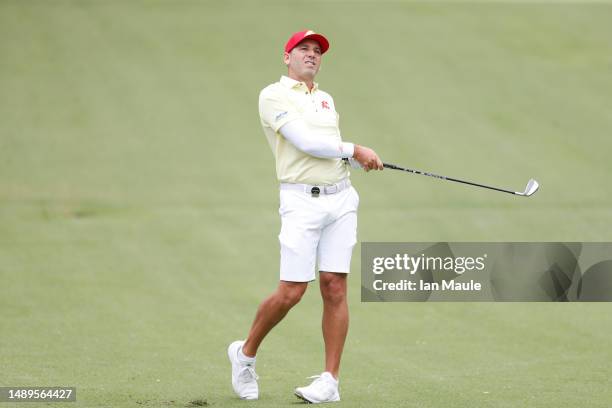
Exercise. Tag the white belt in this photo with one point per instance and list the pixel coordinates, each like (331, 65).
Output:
(315, 190)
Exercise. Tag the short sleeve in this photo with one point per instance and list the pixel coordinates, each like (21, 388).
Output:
(275, 110)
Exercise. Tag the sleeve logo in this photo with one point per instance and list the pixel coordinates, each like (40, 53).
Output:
(280, 116)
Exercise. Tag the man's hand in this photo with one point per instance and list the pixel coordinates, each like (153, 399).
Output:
(368, 158)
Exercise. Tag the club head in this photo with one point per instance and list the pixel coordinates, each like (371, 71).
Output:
(532, 187)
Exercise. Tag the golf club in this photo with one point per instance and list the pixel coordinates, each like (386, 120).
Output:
(532, 185)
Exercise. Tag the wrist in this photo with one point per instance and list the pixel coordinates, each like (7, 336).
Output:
(347, 149)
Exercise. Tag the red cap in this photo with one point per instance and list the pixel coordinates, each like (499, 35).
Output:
(302, 35)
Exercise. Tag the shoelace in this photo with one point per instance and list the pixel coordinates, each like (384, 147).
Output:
(250, 373)
(316, 378)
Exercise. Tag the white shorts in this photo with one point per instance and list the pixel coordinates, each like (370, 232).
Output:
(323, 228)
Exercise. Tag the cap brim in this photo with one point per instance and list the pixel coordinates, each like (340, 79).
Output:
(320, 39)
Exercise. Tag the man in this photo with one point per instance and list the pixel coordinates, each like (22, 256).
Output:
(318, 209)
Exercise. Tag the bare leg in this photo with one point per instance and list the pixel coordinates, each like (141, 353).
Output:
(271, 311)
(335, 318)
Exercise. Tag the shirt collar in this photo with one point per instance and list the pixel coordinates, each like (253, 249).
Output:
(292, 83)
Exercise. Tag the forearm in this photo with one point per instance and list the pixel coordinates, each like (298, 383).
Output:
(296, 132)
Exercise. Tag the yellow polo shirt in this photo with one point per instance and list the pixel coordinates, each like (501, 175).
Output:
(287, 100)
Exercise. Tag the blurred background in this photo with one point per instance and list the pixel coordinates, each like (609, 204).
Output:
(138, 199)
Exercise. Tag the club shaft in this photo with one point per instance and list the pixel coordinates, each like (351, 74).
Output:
(424, 173)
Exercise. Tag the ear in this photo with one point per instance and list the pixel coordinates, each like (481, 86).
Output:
(286, 58)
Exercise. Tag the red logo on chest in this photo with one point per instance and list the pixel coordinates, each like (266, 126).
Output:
(324, 105)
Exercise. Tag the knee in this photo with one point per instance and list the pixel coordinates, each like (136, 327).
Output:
(289, 296)
(333, 290)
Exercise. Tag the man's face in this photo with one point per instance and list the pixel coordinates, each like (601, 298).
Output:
(304, 60)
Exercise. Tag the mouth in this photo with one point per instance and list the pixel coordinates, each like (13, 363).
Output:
(310, 63)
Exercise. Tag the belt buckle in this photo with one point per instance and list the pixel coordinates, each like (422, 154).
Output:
(315, 191)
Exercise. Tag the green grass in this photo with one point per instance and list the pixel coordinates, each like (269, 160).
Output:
(138, 202)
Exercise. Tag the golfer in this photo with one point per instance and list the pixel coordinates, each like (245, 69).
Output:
(318, 209)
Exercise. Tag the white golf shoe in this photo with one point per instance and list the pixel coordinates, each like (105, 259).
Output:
(323, 389)
(244, 378)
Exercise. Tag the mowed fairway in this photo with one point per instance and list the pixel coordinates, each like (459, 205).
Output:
(138, 200)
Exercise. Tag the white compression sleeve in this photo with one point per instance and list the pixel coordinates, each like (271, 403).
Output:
(297, 133)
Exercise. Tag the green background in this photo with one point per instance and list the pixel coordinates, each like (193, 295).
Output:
(138, 200)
